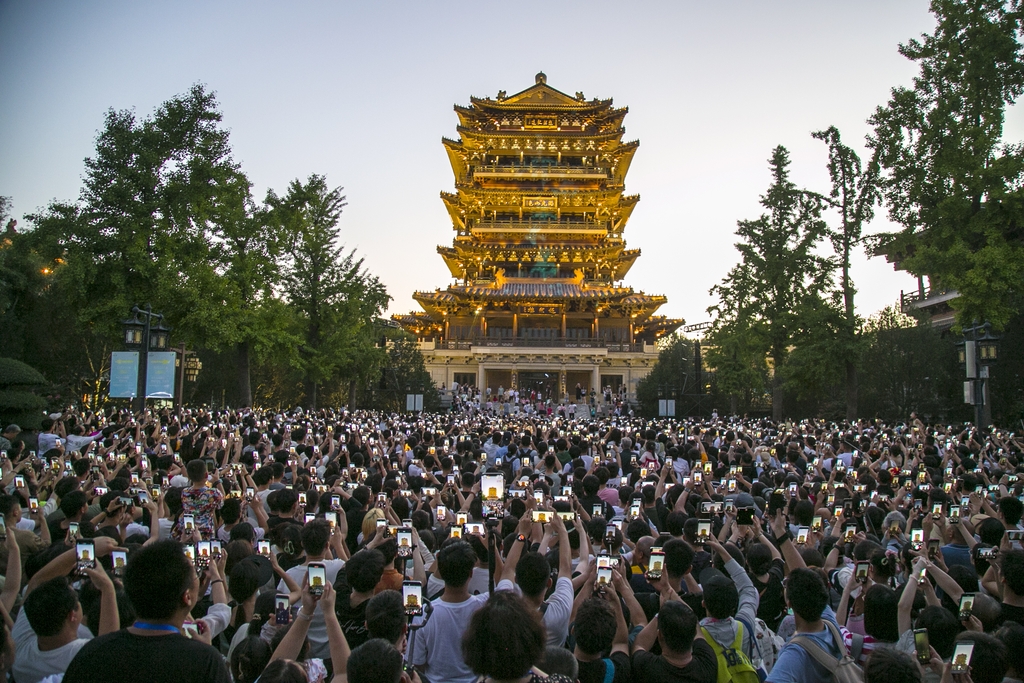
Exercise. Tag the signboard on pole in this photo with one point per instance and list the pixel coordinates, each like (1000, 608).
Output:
(413, 403)
(666, 407)
(160, 374)
(124, 374)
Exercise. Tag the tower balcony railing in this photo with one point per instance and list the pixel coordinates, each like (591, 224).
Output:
(546, 172)
(552, 343)
(924, 298)
(529, 225)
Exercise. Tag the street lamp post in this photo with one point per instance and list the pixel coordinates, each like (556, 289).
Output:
(141, 333)
(978, 350)
(189, 366)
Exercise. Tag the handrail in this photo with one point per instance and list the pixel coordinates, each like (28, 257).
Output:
(553, 343)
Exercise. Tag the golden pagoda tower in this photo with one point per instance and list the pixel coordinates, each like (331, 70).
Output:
(538, 255)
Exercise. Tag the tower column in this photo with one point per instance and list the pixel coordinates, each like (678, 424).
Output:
(595, 378)
(515, 325)
(480, 377)
(563, 325)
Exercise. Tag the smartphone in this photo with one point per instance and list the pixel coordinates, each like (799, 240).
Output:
(634, 509)
(308, 517)
(335, 502)
(962, 653)
(801, 535)
(205, 551)
(703, 531)
(656, 565)
(188, 522)
(86, 552)
(609, 534)
(119, 558)
(263, 548)
(954, 514)
(966, 606)
(597, 510)
(924, 654)
(317, 575)
(442, 512)
(492, 486)
(412, 597)
(19, 482)
(862, 571)
(3, 528)
(744, 516)
(72, 531)
(936, 510)
(216, 549)
(933, 548)
(282, 610)
(917, 538)
(456, 532)
(604, 575)
(542, 516)
(404, 543)
(332, 519)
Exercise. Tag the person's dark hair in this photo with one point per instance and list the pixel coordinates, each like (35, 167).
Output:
(243, 531)
(73, 502)
(1011, 508)
(1011, 567)
(806, 593)
(674, 523)
(991, 531)
(315, 536)
(249, 658)
(156, 578)
(559, 660)
(677, 625)
(455, 563)
(678, 557)
(594, 627)
(385, 616)
(881, 608)
(48, 606)
(196, 471)
(759, 559)
(988, 663)
(721, 599)
(375, 661)
(532, 574)
(1011, 634)
(364, 570)
(505, 637)
(231, 510)
(889, 665)
(243, 581)
(283, 671)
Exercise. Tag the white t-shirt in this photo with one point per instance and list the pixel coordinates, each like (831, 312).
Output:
(317, 634)
(556, 617)
(437, 647)
(30, 664)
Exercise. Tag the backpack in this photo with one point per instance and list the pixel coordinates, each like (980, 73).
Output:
(733, 665)
(766, 646)
(845, 670)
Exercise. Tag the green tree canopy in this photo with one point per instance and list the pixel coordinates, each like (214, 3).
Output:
(950, 179)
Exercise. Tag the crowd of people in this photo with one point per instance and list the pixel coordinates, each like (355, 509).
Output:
(245, 546)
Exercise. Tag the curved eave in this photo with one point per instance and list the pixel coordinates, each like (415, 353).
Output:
(626, 260)
(625, 157)
(510, 105)
(472, 135)
(453, 205)
(457, 157)
(453, 260)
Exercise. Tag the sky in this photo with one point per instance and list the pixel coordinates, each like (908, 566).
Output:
(362, 92)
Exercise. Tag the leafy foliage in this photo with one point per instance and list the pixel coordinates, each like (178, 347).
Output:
(19, 402)
(949, 178)
(779, 272)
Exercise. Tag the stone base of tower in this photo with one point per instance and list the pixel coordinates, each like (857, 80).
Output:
(553, 371)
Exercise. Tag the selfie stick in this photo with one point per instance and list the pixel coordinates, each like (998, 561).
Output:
(428, 609)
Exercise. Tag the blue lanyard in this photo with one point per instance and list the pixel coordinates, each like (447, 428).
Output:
(146, 626)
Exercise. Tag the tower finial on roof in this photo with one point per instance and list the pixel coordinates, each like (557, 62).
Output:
(541, 78)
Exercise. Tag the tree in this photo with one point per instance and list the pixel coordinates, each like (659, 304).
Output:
(907, 367)
(671, 377)
(403, 372)
(141, 231)
(854, 195)
(949, 179)
(739, 365)
(778, 272)
(335, 300)
(19, 401)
